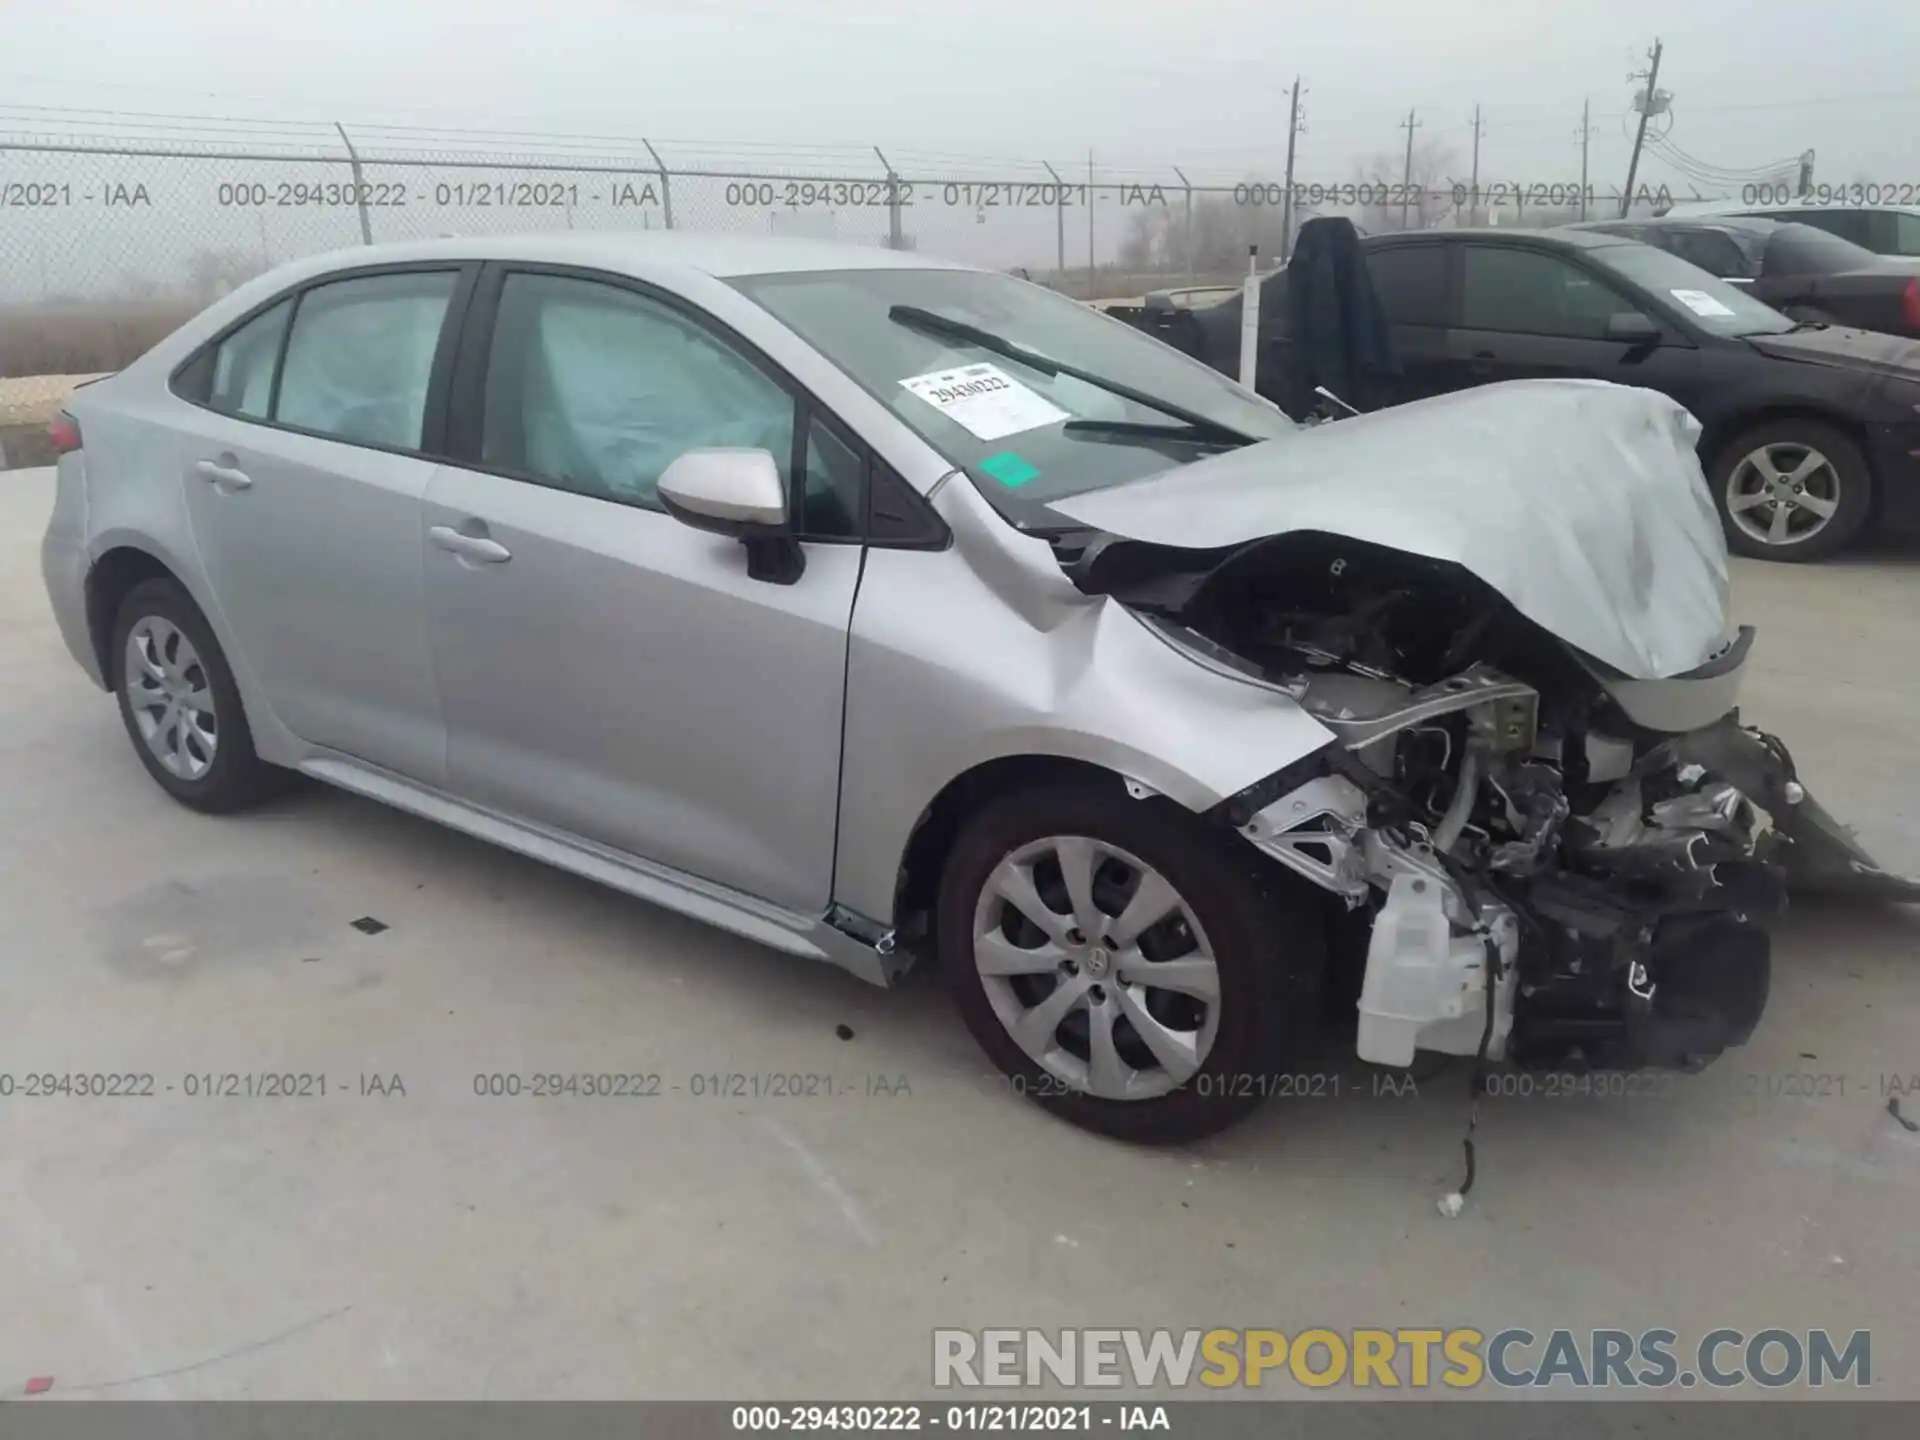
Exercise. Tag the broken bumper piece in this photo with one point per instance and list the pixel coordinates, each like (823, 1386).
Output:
(1820, 855)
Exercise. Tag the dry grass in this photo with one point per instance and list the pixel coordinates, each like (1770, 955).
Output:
(80, 337)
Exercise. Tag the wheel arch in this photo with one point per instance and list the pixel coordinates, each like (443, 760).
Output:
(124, 561)
(109, 580)
(939, 825)
(932, 837)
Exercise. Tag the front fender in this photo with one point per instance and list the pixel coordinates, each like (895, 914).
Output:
(984, 652)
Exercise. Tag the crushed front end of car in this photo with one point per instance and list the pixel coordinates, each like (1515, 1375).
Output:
(1508, 609)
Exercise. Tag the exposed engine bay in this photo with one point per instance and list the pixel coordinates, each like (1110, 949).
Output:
(1562, 866)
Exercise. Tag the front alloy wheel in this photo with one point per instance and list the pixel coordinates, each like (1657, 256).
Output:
(1122, 962)
(1097, 968)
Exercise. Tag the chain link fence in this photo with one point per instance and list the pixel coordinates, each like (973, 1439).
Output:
(106, 246)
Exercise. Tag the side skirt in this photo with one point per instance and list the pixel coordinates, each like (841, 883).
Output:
(814, 937)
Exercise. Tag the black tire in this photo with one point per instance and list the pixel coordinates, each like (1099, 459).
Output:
(1266, 936)
(1848, 467)
(238, 778)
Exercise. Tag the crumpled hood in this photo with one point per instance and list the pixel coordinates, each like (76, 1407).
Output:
(1580, 501)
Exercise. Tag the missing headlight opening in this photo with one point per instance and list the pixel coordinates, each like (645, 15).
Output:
(1552, 878)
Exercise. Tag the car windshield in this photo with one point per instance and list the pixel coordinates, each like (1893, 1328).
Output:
(1804, 250)
(1706, 300)
(1009, 424)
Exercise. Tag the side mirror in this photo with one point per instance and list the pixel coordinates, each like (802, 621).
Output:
(1633, 328)
(739, 494)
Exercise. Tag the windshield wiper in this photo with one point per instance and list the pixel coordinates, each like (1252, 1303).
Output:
(1147, 430)
(1197, 426)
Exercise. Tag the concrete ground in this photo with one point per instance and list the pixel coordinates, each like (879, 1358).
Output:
(441, 1244)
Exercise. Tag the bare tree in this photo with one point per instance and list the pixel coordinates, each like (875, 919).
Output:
(213, 273)
(1384, 175)
(1225, 225)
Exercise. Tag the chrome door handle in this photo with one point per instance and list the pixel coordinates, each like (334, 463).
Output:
(225, 476)
(469, 547)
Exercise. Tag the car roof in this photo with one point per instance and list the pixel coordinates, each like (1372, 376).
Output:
(1702, 209)
(1563, 236)
(720, 256)
(1753, 224)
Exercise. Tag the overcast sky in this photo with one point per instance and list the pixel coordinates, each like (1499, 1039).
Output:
(1201, 84)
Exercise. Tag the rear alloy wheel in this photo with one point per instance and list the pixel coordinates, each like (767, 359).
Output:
(170, 698)
(1792, 490)
(1123, 964)
(180, 704)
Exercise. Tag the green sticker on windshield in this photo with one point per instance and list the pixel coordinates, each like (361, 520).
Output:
(1009, 469)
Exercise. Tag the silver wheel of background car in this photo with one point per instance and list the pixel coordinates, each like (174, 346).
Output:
(1097, 967)
(171, 697)
(1783, 493)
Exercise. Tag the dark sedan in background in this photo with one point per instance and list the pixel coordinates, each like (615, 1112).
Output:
(1883, 229)
(1810, 432)
(1803, 272)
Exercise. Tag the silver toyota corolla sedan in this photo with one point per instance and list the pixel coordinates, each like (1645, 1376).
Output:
(882, 609)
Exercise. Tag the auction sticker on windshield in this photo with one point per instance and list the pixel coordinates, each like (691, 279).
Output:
(985, 400)
(1701, 303)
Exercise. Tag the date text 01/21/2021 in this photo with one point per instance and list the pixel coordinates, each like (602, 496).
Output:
(705, 1085)
(986, 1416)
(195, 1085)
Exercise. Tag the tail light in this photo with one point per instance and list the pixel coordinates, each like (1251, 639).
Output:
(1910, 303)
(64, 431)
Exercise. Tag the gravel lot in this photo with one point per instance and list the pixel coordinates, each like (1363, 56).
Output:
(438, 1244)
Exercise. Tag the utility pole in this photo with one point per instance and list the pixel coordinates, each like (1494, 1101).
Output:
(1586, 137)
(1091, 272)
(1473, 192)
(1410, 124)
(1648, 104)
(1060, 223)
(1294, 127)
(895, 241)
(1186, 244)
(1805, 185)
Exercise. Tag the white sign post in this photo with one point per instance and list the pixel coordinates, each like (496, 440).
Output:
(1250, 319)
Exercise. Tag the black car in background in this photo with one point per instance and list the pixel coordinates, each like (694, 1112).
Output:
(1810, 432)
(1803, 272)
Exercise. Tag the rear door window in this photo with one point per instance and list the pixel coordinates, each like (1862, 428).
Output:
(360, 357)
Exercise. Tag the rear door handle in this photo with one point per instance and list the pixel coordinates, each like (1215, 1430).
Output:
(469, 547)
(1482, 362)
(225, 476)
